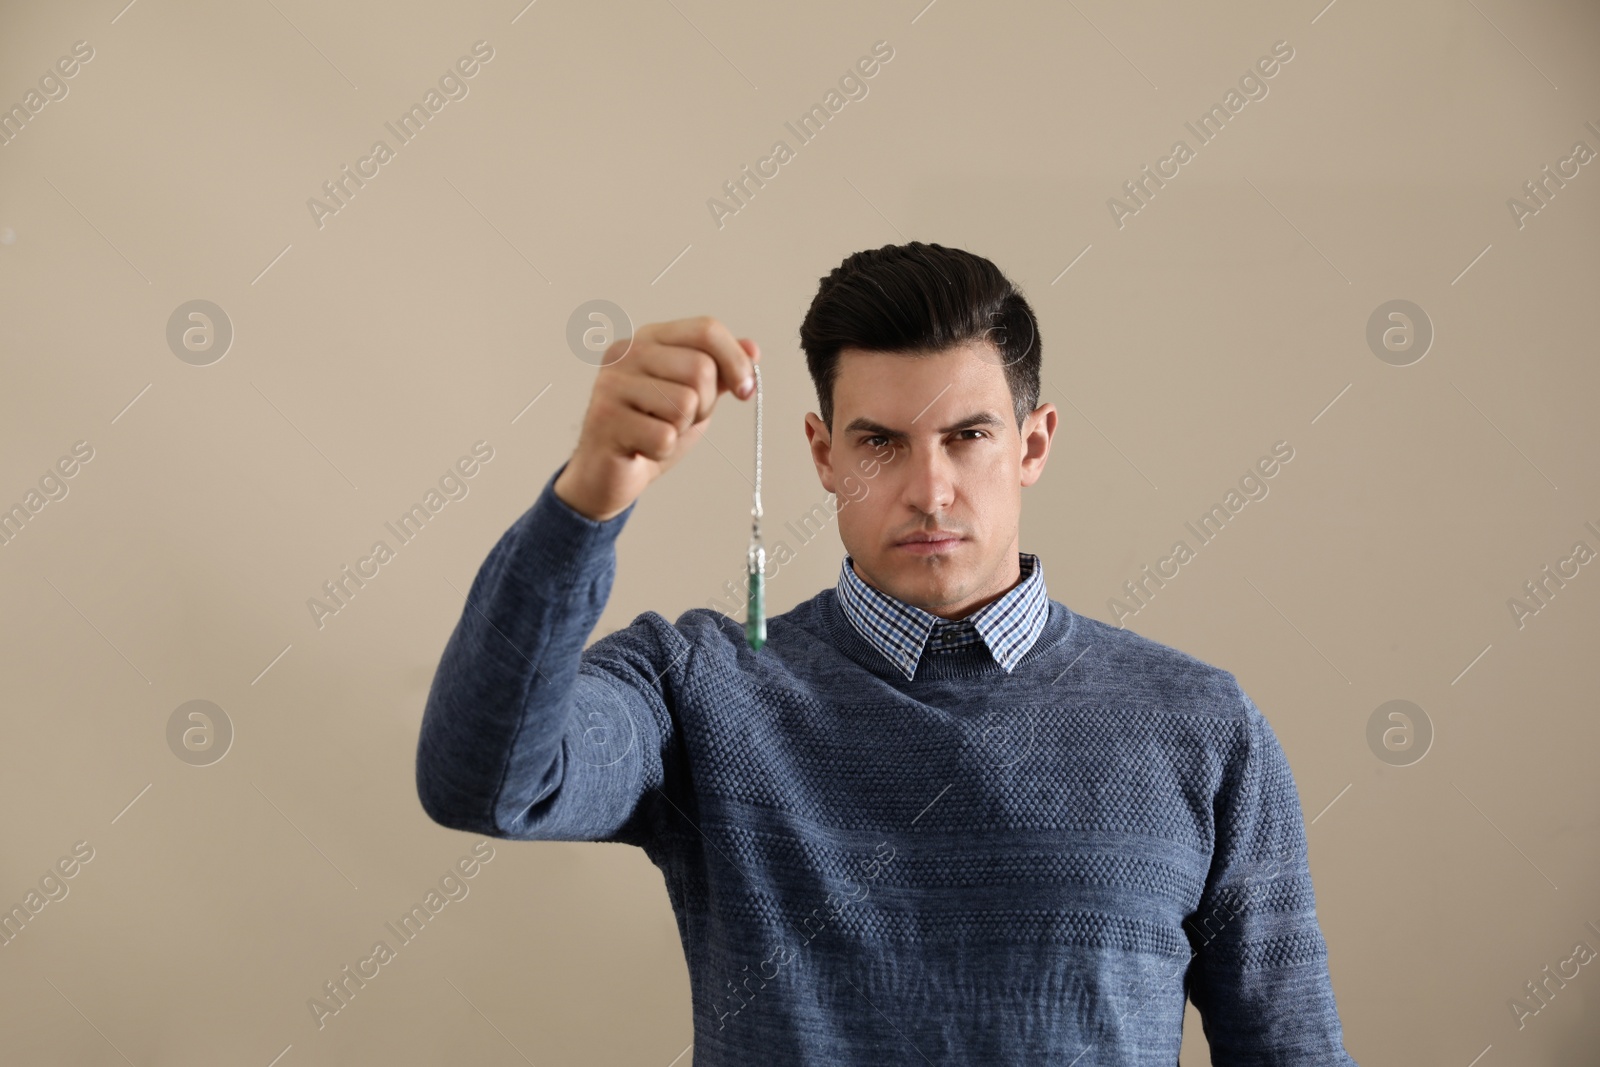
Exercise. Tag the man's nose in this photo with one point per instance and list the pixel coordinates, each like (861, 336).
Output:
(930, 485)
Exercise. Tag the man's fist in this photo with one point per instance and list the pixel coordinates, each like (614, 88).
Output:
(652, 401)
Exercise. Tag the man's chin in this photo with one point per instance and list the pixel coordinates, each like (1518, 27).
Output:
(925, 581)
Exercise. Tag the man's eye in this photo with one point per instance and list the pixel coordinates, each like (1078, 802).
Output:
(875, 437)
(980, 432)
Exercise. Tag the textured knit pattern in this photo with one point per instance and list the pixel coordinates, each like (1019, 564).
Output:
(1008, 627)
(970, 867)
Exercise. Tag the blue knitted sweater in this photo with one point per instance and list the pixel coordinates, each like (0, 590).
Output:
(971, 867)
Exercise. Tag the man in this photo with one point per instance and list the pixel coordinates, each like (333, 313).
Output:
(939, 817)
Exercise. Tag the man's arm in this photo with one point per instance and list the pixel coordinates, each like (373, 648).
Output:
(1260, 974)
(528, 735)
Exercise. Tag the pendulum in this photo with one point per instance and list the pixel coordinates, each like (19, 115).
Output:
(755, 618)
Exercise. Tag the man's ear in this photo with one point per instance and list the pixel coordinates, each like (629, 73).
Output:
(821, 444)
(1038, 429)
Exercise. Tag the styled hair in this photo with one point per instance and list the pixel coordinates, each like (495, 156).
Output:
(919, 299)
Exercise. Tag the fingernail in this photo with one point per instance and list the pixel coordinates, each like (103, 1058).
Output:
(746, 387)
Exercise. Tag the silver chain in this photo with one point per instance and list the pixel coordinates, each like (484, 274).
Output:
(755, 509)
(755, 624)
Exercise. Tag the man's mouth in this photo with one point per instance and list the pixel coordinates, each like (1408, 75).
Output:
(924, 544)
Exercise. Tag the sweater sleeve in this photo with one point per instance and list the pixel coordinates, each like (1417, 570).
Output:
(527, 735)
(1259, 975)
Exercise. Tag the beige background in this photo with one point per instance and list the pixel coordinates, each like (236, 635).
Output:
(370, 353)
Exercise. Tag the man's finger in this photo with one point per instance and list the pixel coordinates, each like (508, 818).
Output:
(711, 336)
(686, 365)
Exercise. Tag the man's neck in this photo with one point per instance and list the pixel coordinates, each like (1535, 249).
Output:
(1009, 577)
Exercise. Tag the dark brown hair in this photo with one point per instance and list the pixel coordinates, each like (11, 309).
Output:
(918, 299)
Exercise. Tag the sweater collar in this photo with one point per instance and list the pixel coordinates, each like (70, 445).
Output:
(903, 633)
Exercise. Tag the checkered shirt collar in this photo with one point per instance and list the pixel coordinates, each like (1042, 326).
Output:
(902, 632)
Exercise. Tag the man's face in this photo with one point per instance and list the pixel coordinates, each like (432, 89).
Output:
(930, 445)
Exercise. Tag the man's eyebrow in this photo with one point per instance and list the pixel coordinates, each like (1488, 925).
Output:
(980, 418)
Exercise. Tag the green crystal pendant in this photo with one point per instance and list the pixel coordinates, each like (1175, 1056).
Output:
(755, 616)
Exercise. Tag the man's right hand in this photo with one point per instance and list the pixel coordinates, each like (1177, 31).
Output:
(649, 407)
